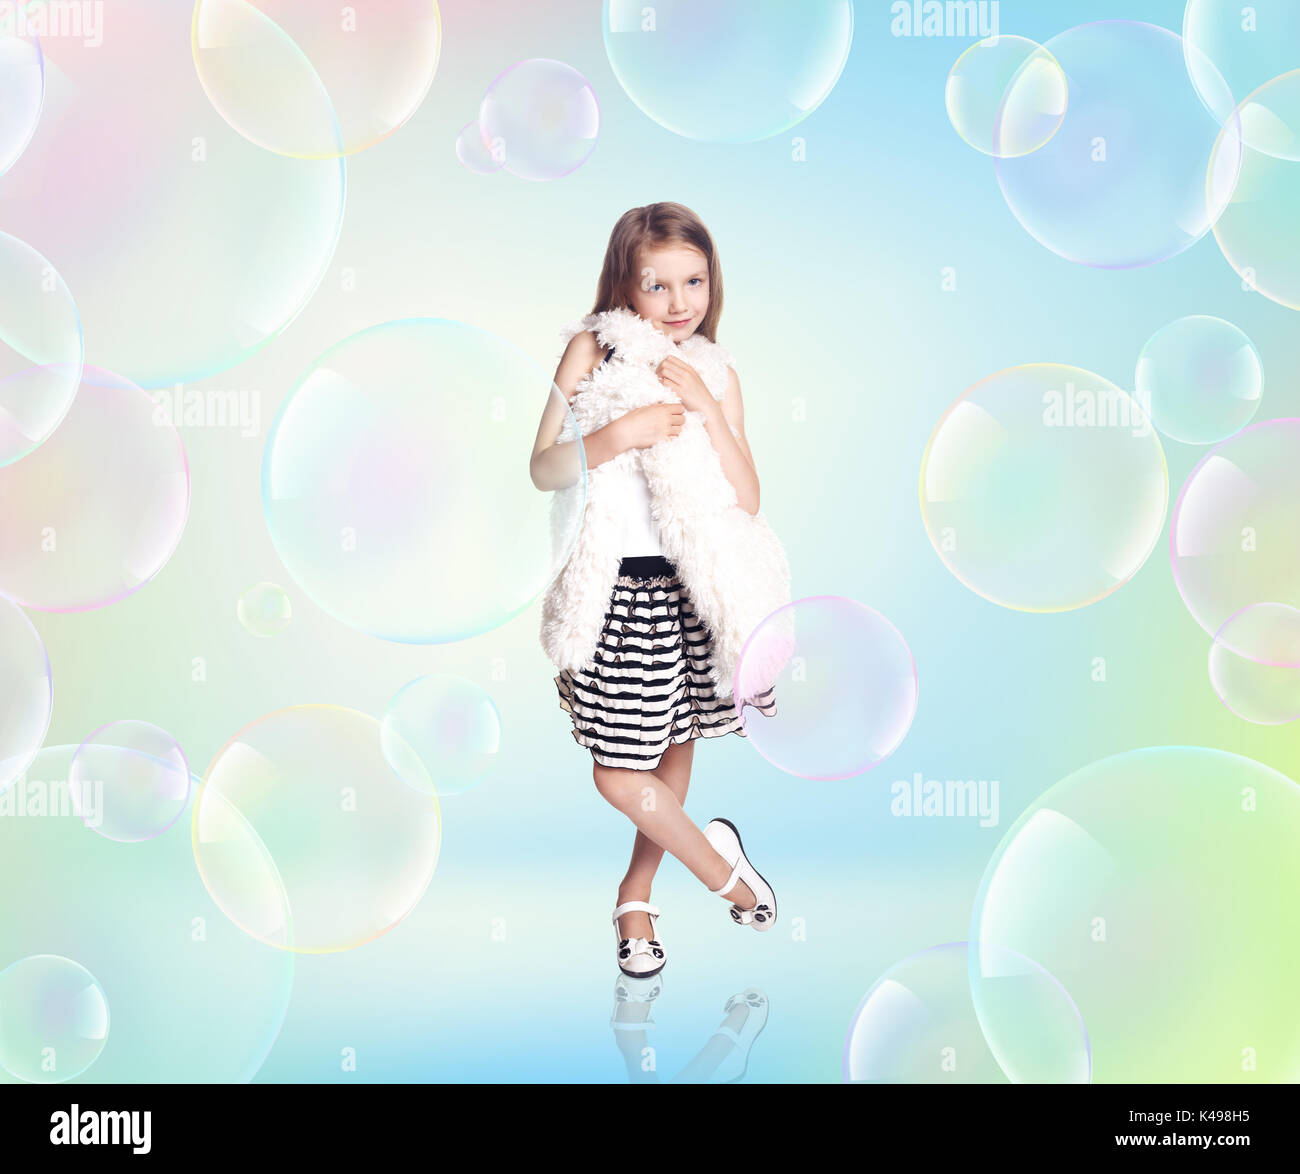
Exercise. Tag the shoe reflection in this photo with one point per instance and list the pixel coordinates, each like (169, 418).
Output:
(724, 1057)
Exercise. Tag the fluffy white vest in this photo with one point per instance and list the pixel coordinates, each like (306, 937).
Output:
(730, 561)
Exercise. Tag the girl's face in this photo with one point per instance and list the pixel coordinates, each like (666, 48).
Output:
(673, 289)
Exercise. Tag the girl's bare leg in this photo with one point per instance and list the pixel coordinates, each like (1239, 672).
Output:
(648, 800)
(675, 770)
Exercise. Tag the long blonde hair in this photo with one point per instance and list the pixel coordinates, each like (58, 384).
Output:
(656, 225)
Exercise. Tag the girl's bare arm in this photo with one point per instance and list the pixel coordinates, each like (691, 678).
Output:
(556, 466)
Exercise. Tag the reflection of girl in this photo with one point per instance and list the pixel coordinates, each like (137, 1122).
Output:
(673, 567)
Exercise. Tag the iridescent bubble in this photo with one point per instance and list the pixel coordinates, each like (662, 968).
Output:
(1259, 230)
(1123, 180)
(194, 999)
(1200, 379)
(306, 80)
(1155, 887)
(1267, 694)
(95, 512)
(395, 490)
(209, 249)
(1232, 49)
(474, 153)
(1043, 488)
(918, 1024)
(40, 349)
(846, 694)
(53, 1019)
(264, 609)
(22, 90)
(303, 801)
(1234, 541)
(26, 692)
(727, 71)
(130, 781)
(441, 734)
(541, 119)
(1006, 96)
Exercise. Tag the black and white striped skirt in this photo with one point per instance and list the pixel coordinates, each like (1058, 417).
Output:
(650, 686)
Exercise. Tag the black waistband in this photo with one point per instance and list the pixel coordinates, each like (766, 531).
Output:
(646, 566)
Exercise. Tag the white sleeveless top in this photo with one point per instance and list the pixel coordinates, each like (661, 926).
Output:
(640, 533)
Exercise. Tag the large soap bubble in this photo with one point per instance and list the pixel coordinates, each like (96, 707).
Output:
(918, 1024)
(1044, 487)
(1157, 887)
(314, 80)
(187, 247)
(1235, 543)
(302, 802)
(1122, 182)
(728, 71)
(396, 486)
(22, 90)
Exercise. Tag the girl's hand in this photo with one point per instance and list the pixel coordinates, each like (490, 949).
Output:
(684, 381)
(644, 426)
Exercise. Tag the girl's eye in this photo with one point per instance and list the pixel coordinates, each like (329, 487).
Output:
(699, 279)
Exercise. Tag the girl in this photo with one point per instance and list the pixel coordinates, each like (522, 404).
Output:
(673, 566)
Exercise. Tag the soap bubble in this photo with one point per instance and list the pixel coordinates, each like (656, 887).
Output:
(26, 693)
(22, 90)
(1123, 180)
(302, 802)
(303, 79)
(1155, 886)
(96, 511)
(1043, 488)
(187, 246)
(1232, 49)
(264, 609)
(1264, 693)
(474, 153)
(846, 696)
(1200, 379)
(53, 1019)
(727, 71)
(918, 1024)
(40, 349)
(1259, 230)
(541, 119)
(396, 488)
(194, 999)
(1234, 542)
(130, 781)
(441, 734)
(1006, 96)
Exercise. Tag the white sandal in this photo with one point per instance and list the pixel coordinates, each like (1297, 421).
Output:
(724, 837)
(639, 957)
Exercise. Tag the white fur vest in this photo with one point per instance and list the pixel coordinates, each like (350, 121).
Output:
(730, 562)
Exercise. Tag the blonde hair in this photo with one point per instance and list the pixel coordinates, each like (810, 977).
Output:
(656, 225)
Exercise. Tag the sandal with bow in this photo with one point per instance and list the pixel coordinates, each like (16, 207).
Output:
(639, 957)
(724, 837)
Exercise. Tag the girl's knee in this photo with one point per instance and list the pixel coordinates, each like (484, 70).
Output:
(614, 783)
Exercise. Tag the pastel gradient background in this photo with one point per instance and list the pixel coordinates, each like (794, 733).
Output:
(849, 351)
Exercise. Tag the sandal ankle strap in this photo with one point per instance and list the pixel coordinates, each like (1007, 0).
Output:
(730, 882)
(631, 906)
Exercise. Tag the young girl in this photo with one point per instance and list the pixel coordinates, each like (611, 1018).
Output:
(673, 568)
